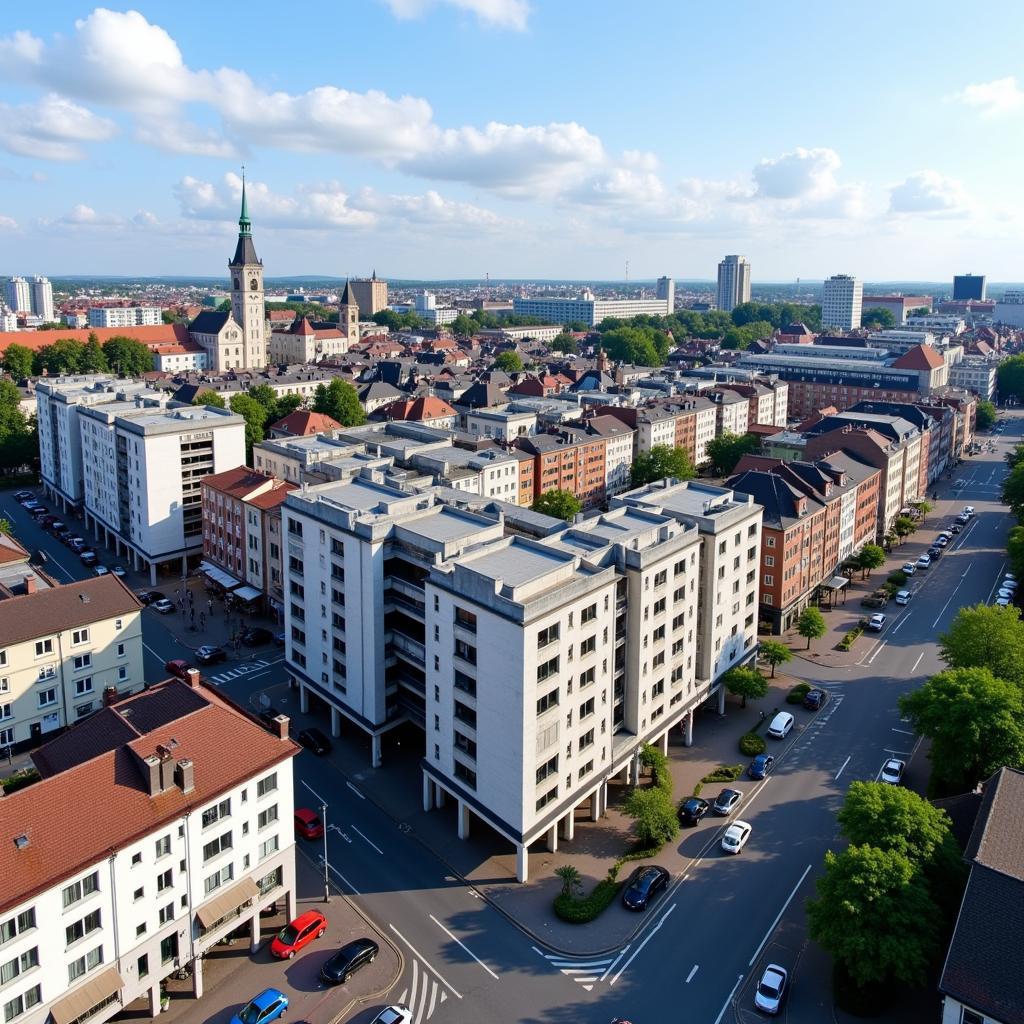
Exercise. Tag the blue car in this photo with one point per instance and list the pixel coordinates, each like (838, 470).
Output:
(760, 766)
(269, 1005)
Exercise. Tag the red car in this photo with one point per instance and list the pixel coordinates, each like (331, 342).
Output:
(308, 824)
(303, 930)
(178, 667)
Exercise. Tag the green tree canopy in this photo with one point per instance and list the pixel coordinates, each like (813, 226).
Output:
(811, 624)
(564, 343)
(464, 326)
(208, 397)
(17, 361)
(726, 450)
(986, 636)
(127, 357)
(255, 415)
(19, 440)
(745, 682)
(558, 503)
(62, 356)
(870, 557)
(654, 817)
(396, 321)
(985, 414)
(1010, 377)
(94, 359)
(644, 346)
(1015, 551)
(903, 526)
(339, 400)
(1013, 491)
(974, 721)
(773, 652)
(662, 461)
(286, 404)
(510, 362)
(878, 318)
(873, 913)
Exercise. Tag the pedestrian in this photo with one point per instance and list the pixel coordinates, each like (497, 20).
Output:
(209, 606)
(181, 604)
(761, 713)
(202, 620)
(191, 597)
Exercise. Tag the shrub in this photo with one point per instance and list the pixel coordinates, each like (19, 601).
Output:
(897, 578)
(19, 780)
(580, 910)
(847, 642)
(797, 694)
(724, 773)
(698, 788)
(751, 744)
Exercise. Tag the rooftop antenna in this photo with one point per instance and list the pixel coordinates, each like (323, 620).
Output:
(627, 270)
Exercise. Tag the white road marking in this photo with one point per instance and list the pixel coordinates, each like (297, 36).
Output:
(637, 951)
(333, 869)
(778, 917)
(426, 962)
(693, 971)
(918, 662)
(151, 651)
(842, 766)
(904, 618)
(728, 1001)
(611, 966)
(416, 996)
(356, 791)
(906, 732)
(464, 946)
(584, 972)
(898, 753)
(955, 589)
(370, 841)
(877, 651)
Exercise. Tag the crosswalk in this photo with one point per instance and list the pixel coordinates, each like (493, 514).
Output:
(242, 669)
(424, 995)
(586, 973)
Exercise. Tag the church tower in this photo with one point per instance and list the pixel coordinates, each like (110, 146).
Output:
(348, 315)
(247, 305)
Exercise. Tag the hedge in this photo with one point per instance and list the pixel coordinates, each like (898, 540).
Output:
(580, 910)
(797, 694)
(724, 773)
(751, 744)
(847, 642)
(19, 780)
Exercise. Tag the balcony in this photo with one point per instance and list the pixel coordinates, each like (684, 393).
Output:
(405, 647)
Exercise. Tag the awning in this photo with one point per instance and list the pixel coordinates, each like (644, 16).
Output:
(226, 903)
(227, 581)
(836, 583)
(247, 594)
(82, 999)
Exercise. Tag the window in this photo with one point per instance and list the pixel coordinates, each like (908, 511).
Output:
(548, 797)
(588, 646)
(467, 652)
(465, 744)
(465, 774)
(136, 859)
(6, 712)
(15, 926)
(169, 947)
(44, 647)
(549, 700)
(84, 964)
(10, 970)
(548, 669)
(586, 708)
(588, 614)
(268, 847)
(215, 881)
(167, 913)
(81, 662)
(769, 561)
(587, 740)
(122, 673)
(267, 785)
(465, 619)
(47, 697)
(267, 817)
(769, 581)
(659, 606)
(465, 683)
(142, 964)
(138, 894)
(466, 714)
(587, 677)
(295, 527)
(163, 846)
(80, 636)
(970, 1017)
(82, 927)
(216, 812)
(586, 769)
(660, 578)
(45, 672)
(79, 890)
(83, 686)
(19, 1004)
(548, 768)
(547, 636)
(118, 624)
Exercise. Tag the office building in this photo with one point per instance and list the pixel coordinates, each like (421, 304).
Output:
(370, 294)
(125, 316)
(733, 282)
(977, 374)
(42, 299)
(969, 287)
(841, 303)
(666, 289)
(901, 306)
(587, 309)
(18, 293)
(1009, 310)
(139, 850)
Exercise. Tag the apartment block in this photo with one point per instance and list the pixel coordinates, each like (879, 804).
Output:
(587, 309)
(64, 651)
(125, 316)
(174, 846)
(572, 460)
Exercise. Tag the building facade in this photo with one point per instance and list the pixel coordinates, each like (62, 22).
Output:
(370, 293)
(968, 287)
(587, 308)
(125, 316)
(733, 283)
(841, 302)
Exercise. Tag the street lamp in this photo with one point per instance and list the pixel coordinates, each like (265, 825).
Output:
(323, 821)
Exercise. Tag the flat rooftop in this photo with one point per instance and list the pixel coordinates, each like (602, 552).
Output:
(516, 563)
(443, 524)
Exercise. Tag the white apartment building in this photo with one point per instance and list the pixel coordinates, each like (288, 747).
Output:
(587, 308)
(8, 318)
(174, 846)
(732, 412)
(666, 289)
(490, 473)
(501, 424)
(125, 316)
(42, 298)
(841, 301)
(618, 452)
(301, 343)
(733, 283)
(655, 426)
(18, 293)
(142, 474)
(538, 332)
(976, 374)
(63, 651)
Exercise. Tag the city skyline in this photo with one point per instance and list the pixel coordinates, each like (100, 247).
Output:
(126, 133)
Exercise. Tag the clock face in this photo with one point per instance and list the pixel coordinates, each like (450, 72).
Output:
(254, 284)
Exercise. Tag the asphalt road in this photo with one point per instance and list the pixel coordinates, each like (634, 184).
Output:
(704, 942)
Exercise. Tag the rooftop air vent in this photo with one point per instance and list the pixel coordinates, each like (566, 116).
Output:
(21, 841)
(84, 598)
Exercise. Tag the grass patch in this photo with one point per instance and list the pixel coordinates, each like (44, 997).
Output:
(848, 640)
(752, 744)
(797, 694)
(698, 788)
(724, 773)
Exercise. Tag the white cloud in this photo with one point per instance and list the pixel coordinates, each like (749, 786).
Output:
(931, 193)
(430, 210)
(499, 13)
(804, 182)
(995, 98)
(52, 129)
(8, 223)
(173, 136)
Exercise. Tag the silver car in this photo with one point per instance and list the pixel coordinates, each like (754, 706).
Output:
(771, 989)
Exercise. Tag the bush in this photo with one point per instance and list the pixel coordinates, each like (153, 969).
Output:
(19, 780)
(797, 694)
(897, 579)
(751, 744)
(580, 910)
(847, 642)
(698, 788)
(724, 773)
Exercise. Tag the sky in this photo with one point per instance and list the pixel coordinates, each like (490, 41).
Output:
(429, 139)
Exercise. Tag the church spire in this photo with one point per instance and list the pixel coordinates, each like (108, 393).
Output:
(244, 224)
(245, 251)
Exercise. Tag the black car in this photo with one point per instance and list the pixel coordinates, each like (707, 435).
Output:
(256, 635)
(645, 882)
(147, 597)
(814, 699)
(88, 558)
(692, 810)
(339, 968)
(314, 740)
(935, 551)
(209, 654)
(267, 716)
(726, 802)
(956, 528)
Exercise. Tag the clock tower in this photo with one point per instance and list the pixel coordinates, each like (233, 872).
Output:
(247, 305)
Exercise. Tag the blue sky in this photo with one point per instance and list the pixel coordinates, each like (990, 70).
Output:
(524, 138)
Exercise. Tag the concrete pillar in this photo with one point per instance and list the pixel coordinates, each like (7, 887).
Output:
(625, 773)
(184, 565)
(289, 904)
(721, 699)
(463, 820)
(254, 932)
(664, 742)
(303, 699)
(552, 838)
(375, 750)
(428, 792)
(688, 730)
(569, 825)
(197, 978)
(152, 574)
(438, 796)
(335, 722)
(637, 768)
(595, 803)
(154, 999)
(522, 863)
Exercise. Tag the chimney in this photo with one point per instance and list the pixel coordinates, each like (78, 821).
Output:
(184, 775)
(193, 678)
(281, 723)
(152, 764)
(109, 695)
(30, 583)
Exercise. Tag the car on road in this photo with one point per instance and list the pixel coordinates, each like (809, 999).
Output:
(75, 542)
(1010, 576)
(1009, 584)
(1005, 592)
(398, 1013)
(308, 824)
(956, 528)
(147, 597)
(298, 934)
(903, 597)
(256, 635)
(942, 540)
(780, 725)
(968, 510)
(56, 527)
(771, 989)
(908, 568)
(48, 520)
(924, 562)
(337, 969)
(119, 572)
(692, 810)
(177, 667)
(760, 766)
(210, 654)
(1002, 602)
(643, 885)
(100, 570)
(877, 622)
(23, 496)
(726, 801)
(315, 741)
(892, 771)
(162, 605)
(38, 511)
(88, 558)
(736, 836)
(270, 1005)
(815, 698)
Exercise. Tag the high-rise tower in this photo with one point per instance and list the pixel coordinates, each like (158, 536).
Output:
(247, 297)
(733, 282)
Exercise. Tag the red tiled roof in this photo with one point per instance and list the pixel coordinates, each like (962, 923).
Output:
(11, 550)
(35, 340)
(302, 423)
(426, 407)
(238, 482)
(274, 497)
(920, 357)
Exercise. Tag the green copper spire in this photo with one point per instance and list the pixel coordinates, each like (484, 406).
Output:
(244, 224)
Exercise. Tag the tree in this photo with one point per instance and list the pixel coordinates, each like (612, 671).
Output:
(726, 450)
(19, 440)
(62, 356)
(18, 361)
(255, 415)
(510, 362)
(986, 636)
(572, 880)
(1013, 490)
(871, 556)
(209, 397)
(1015, 551)
(287, 404)
(642, 346)
(811, 624)
(5, 526)
(662, 461)
(924, 507)
(984, 414)
(266, 396)
(874, 915)
(877, 317)
(1014, 456)
(654, 817)
(127, 357)
(773, 653)
(94, 359)
(903, 527)
(464, 326)
(564, 343)
(744, 681)
(1010, 377)
(920, 311)
(974, 722)
(338, 399)
(558, 503)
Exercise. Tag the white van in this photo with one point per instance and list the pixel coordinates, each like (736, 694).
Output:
(781, 724)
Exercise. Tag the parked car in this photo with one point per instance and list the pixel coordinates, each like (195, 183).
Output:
(256, 635)
(877, 623)
(1005, 592)
(177, 667)
(47, 521)
(903, 597)
(88, 558)
(956, 528)
(815, 698)
(892, 771)
(735, 837)
(23, 496)
(163, 606)
(726, 801)
(908, 568)
(1002, 602)
(56, 527)
(942, 540)
(963, 519)
(298, 934)
(643, 885)
(308, 824)
(771, 989)
(780, 725)
(338, 968)
(968, 511)
(1009, 583)
(934, 552)
(315, 741)
(76, 543)
(692, 810)
(760, 766)
(924, 562)
(119, 572)
(100, 570)
(38, 511)
(147, 597)
(210, 654)
(269, 1005)
(399, 1013)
